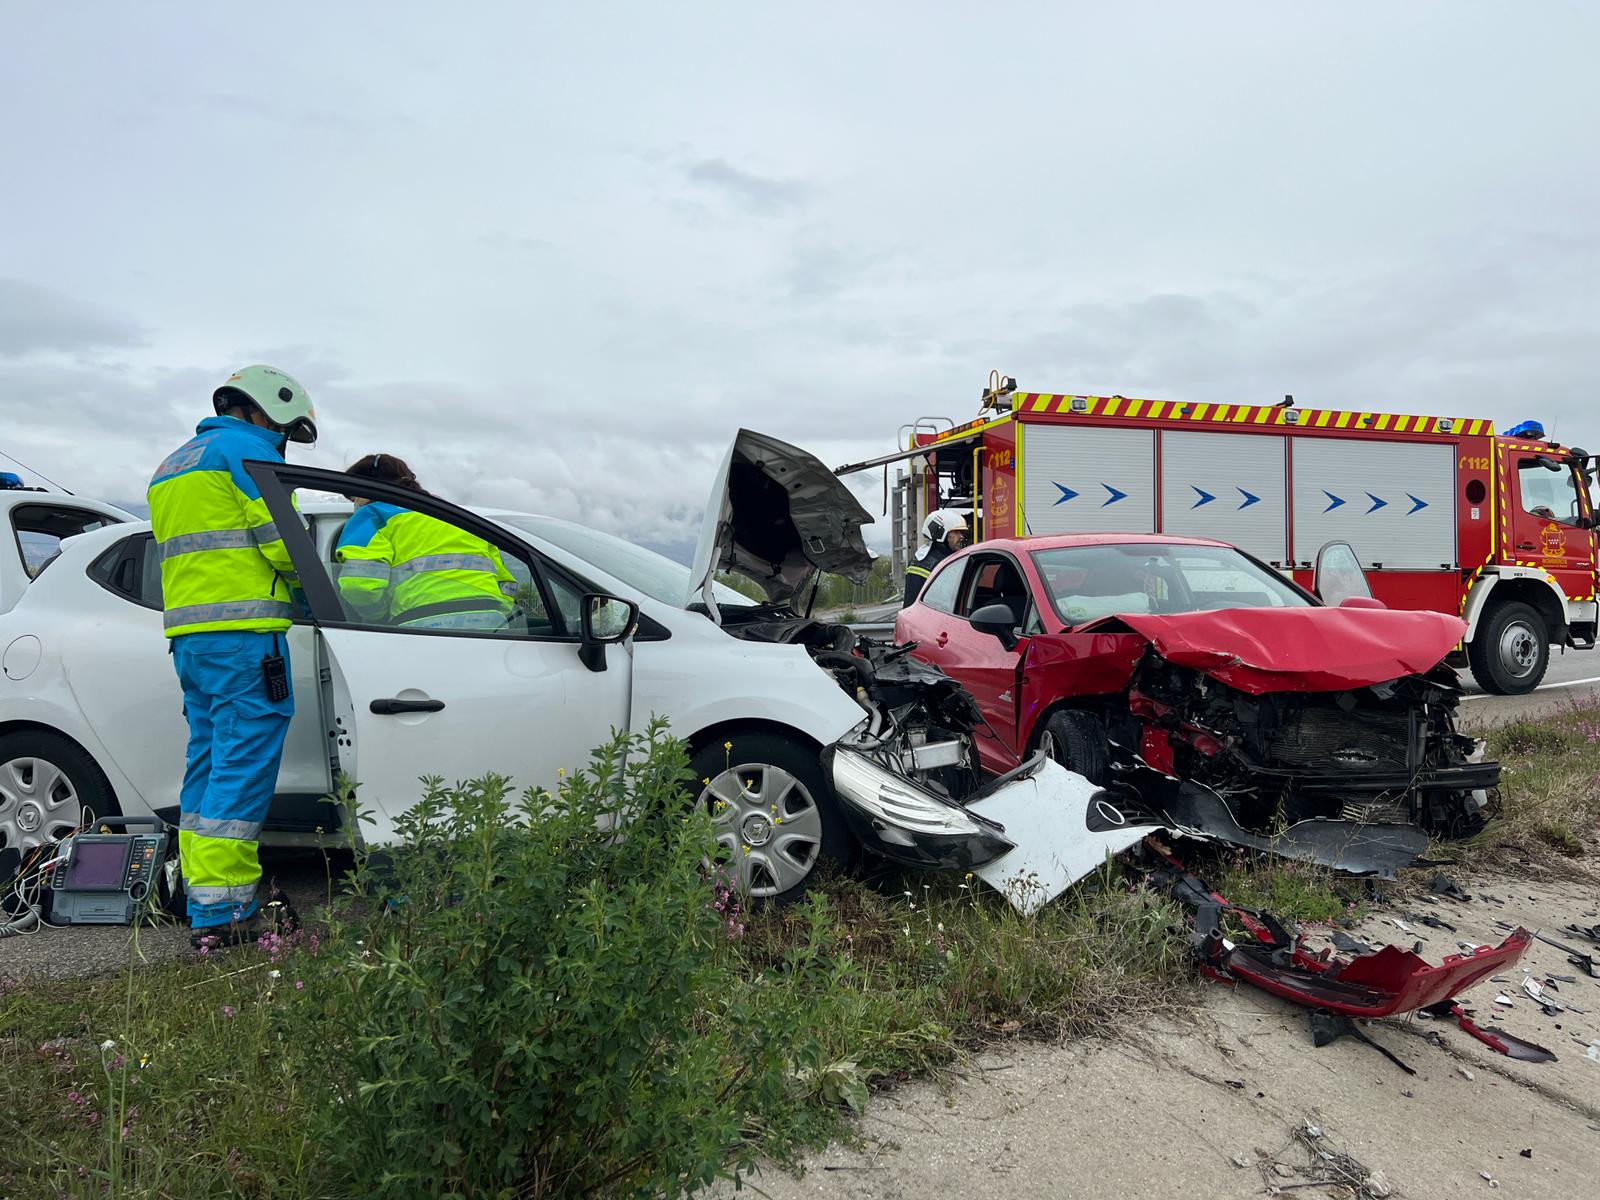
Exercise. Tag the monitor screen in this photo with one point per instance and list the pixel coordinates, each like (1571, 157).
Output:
(98, 865)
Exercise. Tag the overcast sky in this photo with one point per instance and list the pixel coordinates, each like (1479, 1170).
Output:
(555, 255)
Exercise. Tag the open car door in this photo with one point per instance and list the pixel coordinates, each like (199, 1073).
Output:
(534, 693)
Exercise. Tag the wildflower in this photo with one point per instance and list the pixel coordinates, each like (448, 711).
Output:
(274, 974)
(108, 1044)
(727, 745)
(227, 1011)
(144, 1061)
(299, 985)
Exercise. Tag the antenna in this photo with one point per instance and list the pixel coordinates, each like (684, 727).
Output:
(40, 474)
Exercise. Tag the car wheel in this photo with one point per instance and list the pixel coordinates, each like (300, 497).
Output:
(1078, 742)
(1511, 649)
(46, 781)
(774, 813)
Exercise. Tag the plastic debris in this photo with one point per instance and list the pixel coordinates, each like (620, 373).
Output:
(1443, 885)
(1528, 1153)
(1466, 1074)
(1530, 985)
(1505, 1000)
(1489, 1179)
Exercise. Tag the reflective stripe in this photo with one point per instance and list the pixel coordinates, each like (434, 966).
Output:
(219, 539)
(357, 568)
(266, 533)
(240, 894)
(237, 610)
(217, 827)
(923, 571)
(445, 562)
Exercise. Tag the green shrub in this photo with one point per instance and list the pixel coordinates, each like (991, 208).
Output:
(551, 1009)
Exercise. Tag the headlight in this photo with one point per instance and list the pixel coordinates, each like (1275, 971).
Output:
(897, 800)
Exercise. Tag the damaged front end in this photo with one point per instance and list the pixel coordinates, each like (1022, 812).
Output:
(1357, 779)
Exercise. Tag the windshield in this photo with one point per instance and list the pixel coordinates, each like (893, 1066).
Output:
(1086, 583)
(654, 574)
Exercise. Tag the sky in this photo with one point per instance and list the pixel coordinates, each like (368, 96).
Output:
(555, 255)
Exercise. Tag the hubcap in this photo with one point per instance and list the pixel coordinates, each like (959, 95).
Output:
(37, 803)
(1519, 649)
(768, 825)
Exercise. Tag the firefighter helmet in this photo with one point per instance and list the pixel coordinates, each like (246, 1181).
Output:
(942, 522)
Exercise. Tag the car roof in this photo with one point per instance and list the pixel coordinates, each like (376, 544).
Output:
(1057, 541)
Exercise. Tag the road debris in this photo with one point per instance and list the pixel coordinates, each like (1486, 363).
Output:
(1443, 885)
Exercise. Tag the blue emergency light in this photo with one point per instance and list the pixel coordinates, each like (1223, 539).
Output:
(10, 480)
(1528, 429)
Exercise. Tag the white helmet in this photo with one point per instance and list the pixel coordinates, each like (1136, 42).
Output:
(942, 522)
(279, 396)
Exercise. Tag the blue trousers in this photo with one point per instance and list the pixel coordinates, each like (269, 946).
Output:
(235, 746)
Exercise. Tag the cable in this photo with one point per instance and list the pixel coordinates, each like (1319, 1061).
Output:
(40, 474)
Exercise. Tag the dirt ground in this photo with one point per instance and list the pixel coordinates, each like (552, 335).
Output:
(1215, 1102)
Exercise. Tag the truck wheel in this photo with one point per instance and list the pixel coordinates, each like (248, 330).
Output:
(1078, 742)
(46, 781)
(774, 813)
(1511, 650)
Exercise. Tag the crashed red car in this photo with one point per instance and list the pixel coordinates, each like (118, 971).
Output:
(1224, 699)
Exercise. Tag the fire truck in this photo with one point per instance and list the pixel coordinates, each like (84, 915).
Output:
(1443, 513)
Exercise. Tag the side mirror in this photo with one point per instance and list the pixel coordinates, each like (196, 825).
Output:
(1362, 602)
(999, 621)
(1339, 576)
(605, 620)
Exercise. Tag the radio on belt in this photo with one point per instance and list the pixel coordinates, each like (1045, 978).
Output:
(107, 876)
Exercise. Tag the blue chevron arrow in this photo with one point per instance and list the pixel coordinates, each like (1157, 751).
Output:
(1115, 495)
(1066, 494)
(1337, 500)
(1416, 505)
(1376, 503)
(1205, 497)
(1249, 497)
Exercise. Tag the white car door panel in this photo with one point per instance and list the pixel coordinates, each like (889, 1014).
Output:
(455, 703)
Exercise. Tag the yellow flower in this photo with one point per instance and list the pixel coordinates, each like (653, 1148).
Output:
(727, 745)
(747, 849)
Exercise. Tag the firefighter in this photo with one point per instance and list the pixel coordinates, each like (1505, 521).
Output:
(227, 588)
(946, 531)
(404, 568)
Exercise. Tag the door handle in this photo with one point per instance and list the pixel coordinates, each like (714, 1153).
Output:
(943, 639)
(1526, 546)
(392, 706)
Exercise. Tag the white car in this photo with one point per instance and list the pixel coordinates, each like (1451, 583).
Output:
(607, 635)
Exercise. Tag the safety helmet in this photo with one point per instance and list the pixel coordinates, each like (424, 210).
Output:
(280, 398)
(942, 522)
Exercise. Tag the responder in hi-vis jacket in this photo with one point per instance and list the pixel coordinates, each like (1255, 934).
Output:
(406, 569)
(227, 583)
(946, 531)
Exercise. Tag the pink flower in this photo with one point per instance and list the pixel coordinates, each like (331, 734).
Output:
(299, 985)
(227, 1011)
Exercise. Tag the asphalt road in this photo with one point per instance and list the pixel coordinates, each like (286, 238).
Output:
(1574, 677)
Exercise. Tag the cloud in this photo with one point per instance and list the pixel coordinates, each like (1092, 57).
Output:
(759, 195)
(34, 318)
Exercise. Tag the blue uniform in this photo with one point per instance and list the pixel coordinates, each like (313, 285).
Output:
(226, 580)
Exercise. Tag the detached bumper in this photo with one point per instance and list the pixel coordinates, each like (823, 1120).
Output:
(905, 822)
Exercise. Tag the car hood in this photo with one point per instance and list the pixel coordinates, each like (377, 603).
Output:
(778, 516)
(1260, 650)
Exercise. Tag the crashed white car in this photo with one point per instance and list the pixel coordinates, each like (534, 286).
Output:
(784, 716)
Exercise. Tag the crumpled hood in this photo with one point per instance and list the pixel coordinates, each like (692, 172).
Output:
(777, 516)
(1261, 650)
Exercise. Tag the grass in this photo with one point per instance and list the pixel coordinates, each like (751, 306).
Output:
(195, 1078)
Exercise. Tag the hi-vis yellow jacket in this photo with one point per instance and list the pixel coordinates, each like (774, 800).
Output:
(400, 567)
(223, 562)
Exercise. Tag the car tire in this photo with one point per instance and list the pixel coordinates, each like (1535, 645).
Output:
(1077, 740)
(774, 812)
(46, 781)
(1510, 651)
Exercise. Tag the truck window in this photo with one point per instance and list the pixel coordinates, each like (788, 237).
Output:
(1549, 495)
(41, 528)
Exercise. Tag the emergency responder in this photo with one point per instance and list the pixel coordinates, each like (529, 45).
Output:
(226, 583)
(404, 568)
(946, 531)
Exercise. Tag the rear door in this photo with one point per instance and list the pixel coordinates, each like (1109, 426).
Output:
(455, 703)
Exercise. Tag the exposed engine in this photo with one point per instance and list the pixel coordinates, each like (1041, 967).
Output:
(920, 722)
(1384, 753)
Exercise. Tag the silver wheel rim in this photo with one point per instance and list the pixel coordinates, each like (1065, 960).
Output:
(37, 803)
(1519, 649)
(768, 825)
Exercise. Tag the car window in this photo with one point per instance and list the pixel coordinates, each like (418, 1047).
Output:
(940, 592)
(41, 528)
(994, 579)
(1088, 583)
(654, 574)
(1549, 495)
(131, 569)
(414, 571)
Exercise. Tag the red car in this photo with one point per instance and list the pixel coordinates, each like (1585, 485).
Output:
(1226, 696)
